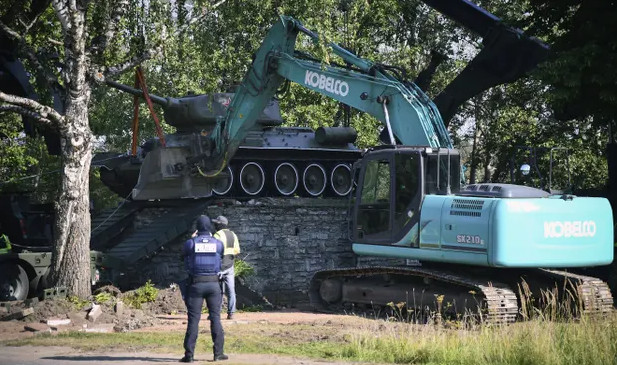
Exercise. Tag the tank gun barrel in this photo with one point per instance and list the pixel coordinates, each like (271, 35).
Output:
(164, 102)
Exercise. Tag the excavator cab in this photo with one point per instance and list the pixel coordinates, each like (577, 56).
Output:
(391, 183)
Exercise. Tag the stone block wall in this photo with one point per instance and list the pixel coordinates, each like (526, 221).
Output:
(286, 240)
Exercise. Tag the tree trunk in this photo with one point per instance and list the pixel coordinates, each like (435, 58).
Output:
(71, 254)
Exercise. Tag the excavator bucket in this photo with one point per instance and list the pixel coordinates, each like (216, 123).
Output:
(163, 175)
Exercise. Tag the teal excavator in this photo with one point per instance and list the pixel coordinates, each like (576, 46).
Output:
(476, 242)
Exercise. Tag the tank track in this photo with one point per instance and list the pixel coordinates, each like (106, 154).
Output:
(500, 301)
(594, 294)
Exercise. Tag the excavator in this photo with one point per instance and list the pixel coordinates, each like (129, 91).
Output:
(475, 242)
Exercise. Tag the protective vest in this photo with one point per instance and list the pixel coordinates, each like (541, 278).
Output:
(202, 255)
(231, 244)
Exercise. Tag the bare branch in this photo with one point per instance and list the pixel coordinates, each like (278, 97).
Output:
(28, 26)
(128, 64)
(44, 111)
(55, 42)
(25, 112)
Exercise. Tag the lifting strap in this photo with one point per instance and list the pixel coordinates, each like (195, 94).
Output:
(140, 83)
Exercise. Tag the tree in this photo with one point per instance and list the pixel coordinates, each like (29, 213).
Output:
(81, 33)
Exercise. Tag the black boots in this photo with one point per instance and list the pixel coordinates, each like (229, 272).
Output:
(221, 357)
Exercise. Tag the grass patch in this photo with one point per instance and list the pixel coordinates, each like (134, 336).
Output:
(587, 341)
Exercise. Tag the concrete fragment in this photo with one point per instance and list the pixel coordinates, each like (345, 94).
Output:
(58, 322)
(94, 313)
(37, 327)
(119, 308)
(19, 315)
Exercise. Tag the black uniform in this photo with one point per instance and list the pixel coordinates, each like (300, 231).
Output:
(202, 257)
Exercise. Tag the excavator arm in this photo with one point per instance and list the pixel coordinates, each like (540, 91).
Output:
(408, 114)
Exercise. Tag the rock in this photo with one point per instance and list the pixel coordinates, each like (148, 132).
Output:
(94, 313)
(31, 302)
(58, 322)
(119, 308)
(37, 327)
(19, 315)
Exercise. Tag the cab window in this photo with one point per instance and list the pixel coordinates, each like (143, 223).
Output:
(374, 209)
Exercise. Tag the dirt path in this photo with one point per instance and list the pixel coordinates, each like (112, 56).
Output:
(39, 355)
(54, 355)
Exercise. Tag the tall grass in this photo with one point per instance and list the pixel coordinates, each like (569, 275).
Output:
(588, 341)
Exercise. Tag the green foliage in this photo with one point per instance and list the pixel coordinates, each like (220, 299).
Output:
(252, 308)
(580, 71)
(100, 195)
(25, 164)
(243, 269)
(77, 302)
(144, 294)
(103, 297)
(5, 242)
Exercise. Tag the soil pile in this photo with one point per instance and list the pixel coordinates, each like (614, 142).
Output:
(108, 310)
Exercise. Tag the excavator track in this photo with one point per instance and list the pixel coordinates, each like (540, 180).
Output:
(497, 305)
(497, 302)
(594, 294)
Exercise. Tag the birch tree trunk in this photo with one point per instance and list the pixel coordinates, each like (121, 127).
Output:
(71, 253)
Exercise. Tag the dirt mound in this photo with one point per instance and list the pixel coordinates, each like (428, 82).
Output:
(108, 308)
(168, 301)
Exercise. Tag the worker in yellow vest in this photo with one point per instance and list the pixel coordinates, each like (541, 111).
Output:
(232, 249)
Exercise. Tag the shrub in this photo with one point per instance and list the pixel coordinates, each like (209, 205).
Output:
(243, 269)
(103, 297)
(144, 294)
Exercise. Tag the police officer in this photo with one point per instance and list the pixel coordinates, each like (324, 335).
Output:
(232, 249)
(203, 255)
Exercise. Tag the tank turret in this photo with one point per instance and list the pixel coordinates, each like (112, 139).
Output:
(271, 160)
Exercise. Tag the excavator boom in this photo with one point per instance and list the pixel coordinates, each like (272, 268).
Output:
(371, 89)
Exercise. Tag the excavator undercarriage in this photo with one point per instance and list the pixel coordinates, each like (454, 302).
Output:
(421, 293)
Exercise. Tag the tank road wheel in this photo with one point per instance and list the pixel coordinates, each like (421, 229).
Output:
(340, 179)
(314, 179)
(14, 284)
(252, 178)
(286, 178)
(224, 183)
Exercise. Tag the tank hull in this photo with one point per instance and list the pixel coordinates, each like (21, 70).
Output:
(275, 161)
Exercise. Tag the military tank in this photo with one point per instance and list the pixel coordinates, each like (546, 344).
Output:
(272, 160)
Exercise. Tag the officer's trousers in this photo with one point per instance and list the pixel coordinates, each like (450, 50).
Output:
(197, 292)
